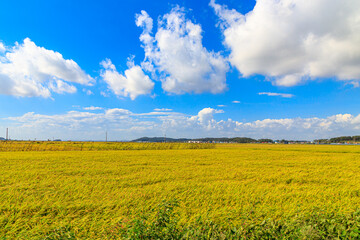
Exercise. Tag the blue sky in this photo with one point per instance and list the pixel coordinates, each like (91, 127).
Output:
(182, 68)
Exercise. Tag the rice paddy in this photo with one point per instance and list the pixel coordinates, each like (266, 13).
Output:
(222, 192)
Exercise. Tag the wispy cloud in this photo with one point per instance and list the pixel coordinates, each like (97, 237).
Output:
(163, 109)
(284, 95)
(88, 92)
(92, 108)
(105, 94)
(2, 47)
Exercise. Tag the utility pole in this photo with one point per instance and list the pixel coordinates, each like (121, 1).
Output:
(106, 136)
(7, 134)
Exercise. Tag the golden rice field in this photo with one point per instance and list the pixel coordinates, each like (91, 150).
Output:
(25, 146)
(232, 191)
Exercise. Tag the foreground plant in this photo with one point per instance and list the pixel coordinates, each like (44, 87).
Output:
(315, 226)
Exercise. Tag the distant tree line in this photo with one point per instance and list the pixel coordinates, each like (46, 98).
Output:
(161, 139)
(209, 139)
(228, 140)
(343, 139)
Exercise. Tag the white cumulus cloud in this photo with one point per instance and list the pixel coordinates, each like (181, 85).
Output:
(124, 124)
(293, 41)
(27, 70)
(177, 54)
(207, 114)
(133, 83)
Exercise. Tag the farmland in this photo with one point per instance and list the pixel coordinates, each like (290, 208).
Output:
(222, 191)
(25, 146)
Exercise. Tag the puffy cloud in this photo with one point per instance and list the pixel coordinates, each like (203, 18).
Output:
(27, 70)
(284, 95)
(294, 41)
(132, 84)
(124, 124)
(176, 53)
(206, 115)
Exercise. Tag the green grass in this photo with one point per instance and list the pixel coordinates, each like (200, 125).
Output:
(250, 190)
